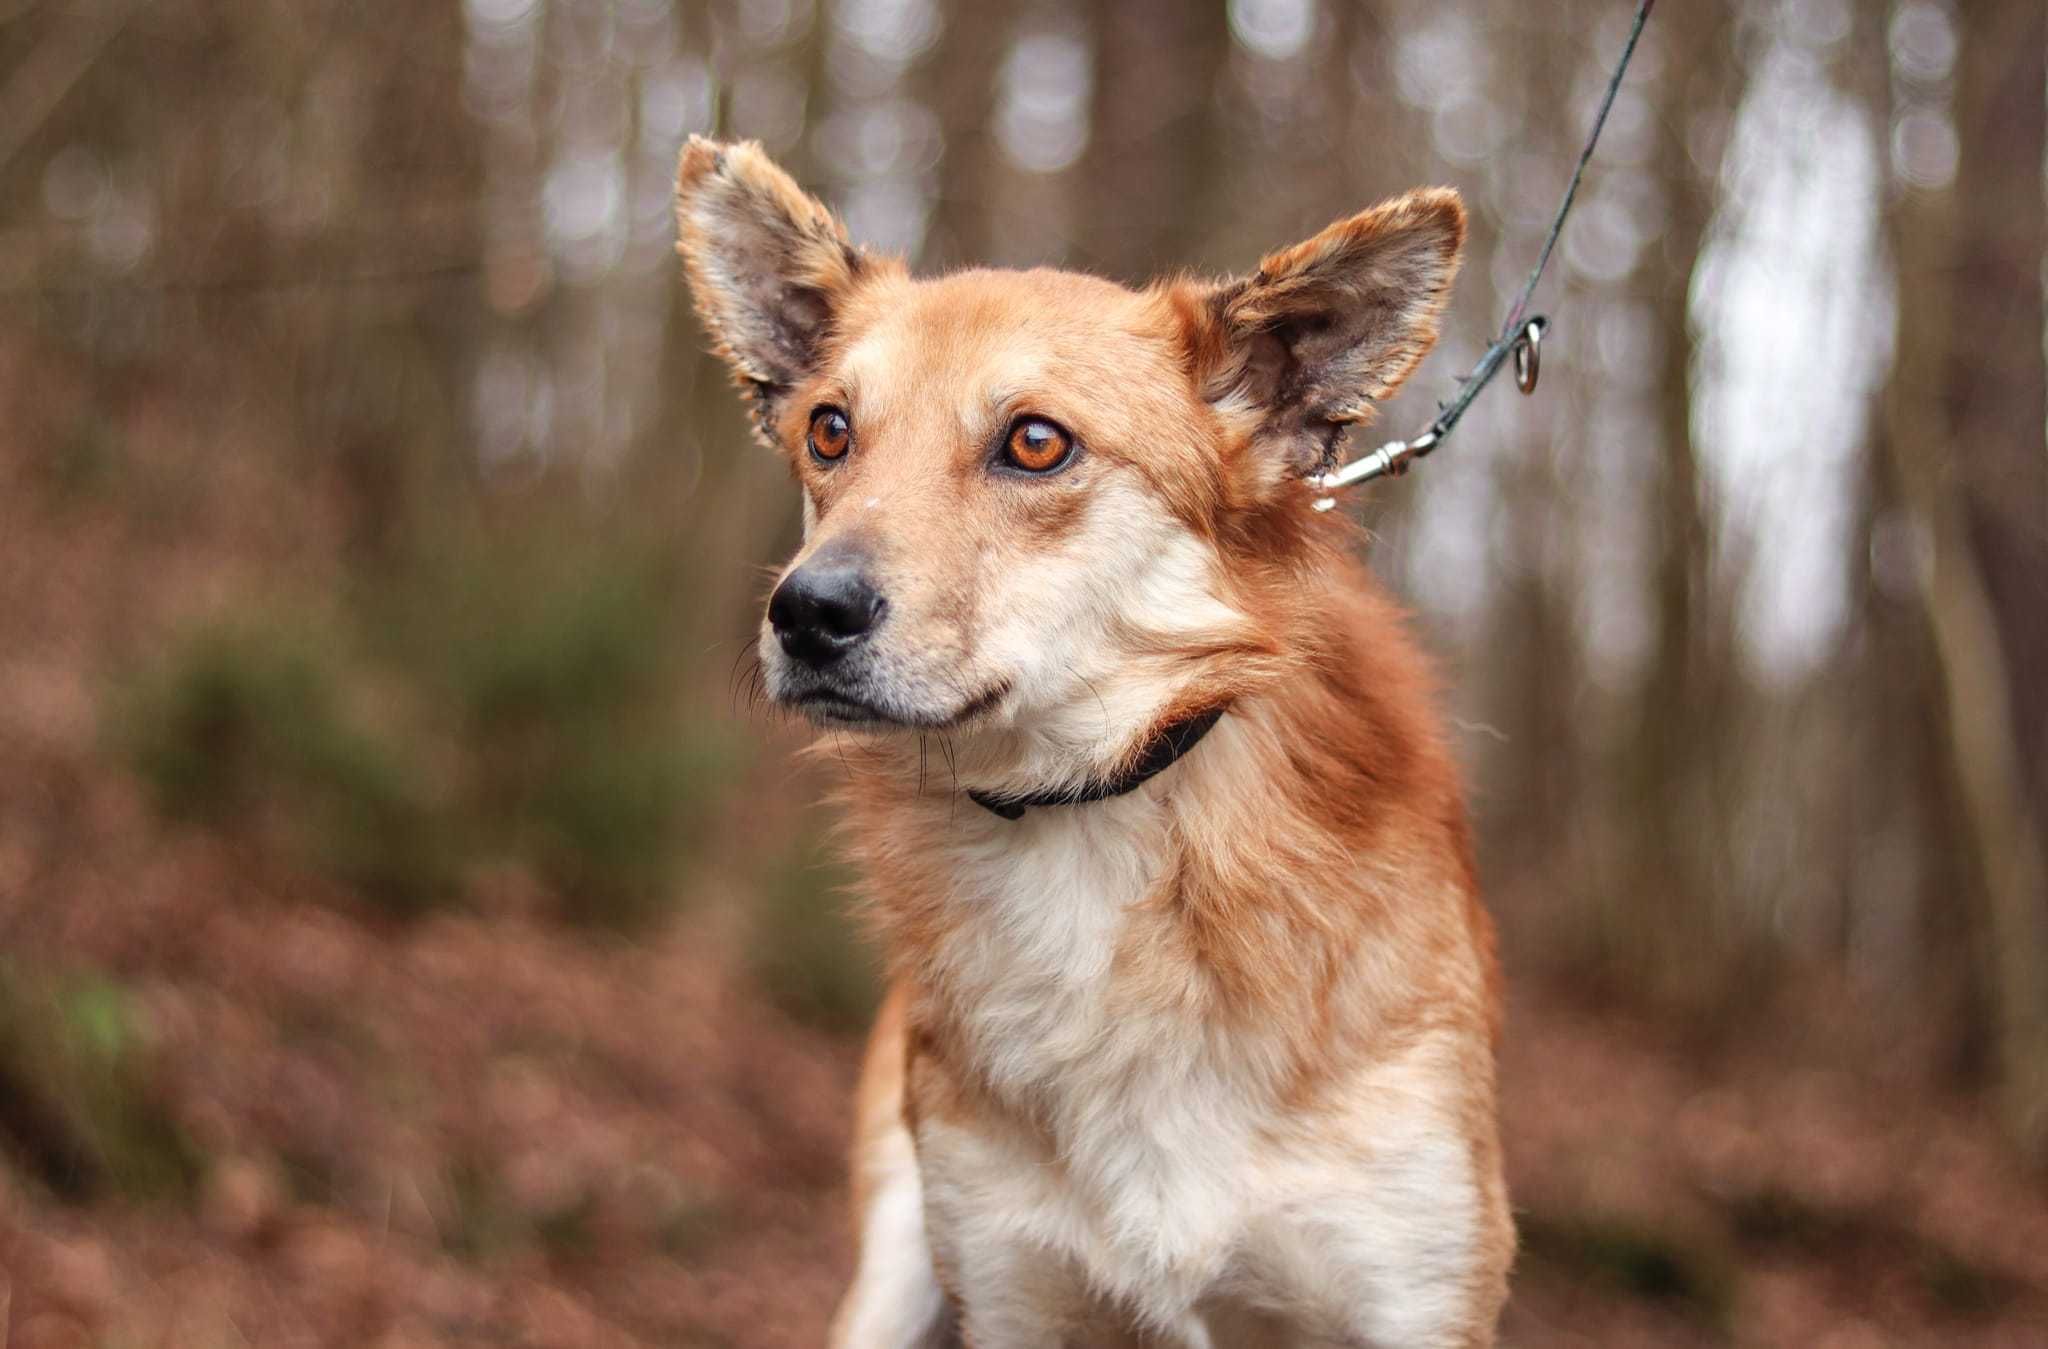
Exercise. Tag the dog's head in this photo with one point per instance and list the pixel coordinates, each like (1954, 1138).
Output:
(1038, 504)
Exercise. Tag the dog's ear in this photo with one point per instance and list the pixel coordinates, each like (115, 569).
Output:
(769, 265)
(1324, 329)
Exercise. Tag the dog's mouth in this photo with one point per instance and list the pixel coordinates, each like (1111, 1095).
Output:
(830, 706)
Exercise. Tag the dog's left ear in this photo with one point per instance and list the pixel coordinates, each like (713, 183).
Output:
(1326, 328)
(769, 265)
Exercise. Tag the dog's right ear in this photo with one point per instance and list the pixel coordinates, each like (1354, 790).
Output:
(1304, 347)
(769, 265)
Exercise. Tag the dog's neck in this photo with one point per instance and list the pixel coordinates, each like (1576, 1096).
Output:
(1247, 875)
(1157, 753)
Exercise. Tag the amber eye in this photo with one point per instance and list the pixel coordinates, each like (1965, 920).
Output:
(1037, 446)
(830, 435)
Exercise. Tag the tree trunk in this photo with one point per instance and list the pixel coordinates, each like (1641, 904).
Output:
(1682, 713)
(1928, 459)
(1991, 533)
(1152, 157)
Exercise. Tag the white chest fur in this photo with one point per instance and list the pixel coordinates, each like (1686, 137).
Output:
(1139, 1159)
(1136, 1151)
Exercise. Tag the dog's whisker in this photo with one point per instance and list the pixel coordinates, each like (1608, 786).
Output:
(756, 689)
(1102, 742)
(738, 676)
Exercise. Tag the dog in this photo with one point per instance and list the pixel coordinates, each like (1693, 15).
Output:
(1193, 1008)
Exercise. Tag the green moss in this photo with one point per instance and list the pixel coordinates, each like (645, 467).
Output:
(807, 953)
(568, 1233)
(242, 730)
(606, 825)
(488, 1225)
(693, 1228)
(559, 669)
(526, 650)
(198, 729)
(77, 1104)
(484, 1223)
(84, 460)
(529, 691)
(1634, 1259)
(1966, 1289)
(1778, 1219)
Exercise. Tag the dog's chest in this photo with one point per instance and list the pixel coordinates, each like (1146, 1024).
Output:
(1133, 1145)
(1120, 1152)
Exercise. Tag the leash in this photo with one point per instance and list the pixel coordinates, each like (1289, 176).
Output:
(1520, 336)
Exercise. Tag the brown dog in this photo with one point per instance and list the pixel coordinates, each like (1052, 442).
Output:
(1191, 1034)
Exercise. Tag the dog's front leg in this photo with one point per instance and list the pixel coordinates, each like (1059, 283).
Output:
(1021, 1297)
(896, 1301)
(1068, 1320)
(1021, 1303)
(992, 1224)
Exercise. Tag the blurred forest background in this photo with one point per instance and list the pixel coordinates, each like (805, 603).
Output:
(409, 932)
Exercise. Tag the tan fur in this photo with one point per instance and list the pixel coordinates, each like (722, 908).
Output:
(1209, 1063)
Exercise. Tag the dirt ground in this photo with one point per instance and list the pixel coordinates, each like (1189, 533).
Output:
(488, 1130)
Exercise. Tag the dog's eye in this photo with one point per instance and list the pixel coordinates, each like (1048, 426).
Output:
(831, 434)
(1037, 446)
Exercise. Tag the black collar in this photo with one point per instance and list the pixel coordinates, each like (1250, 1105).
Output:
(1159, 756)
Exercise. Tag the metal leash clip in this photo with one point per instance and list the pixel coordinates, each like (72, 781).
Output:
(1390, 460)
(1528, 351)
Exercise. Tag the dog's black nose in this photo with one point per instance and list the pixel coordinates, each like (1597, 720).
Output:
(824, 609)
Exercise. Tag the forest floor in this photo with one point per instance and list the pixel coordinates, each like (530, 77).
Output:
(487, 1129)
